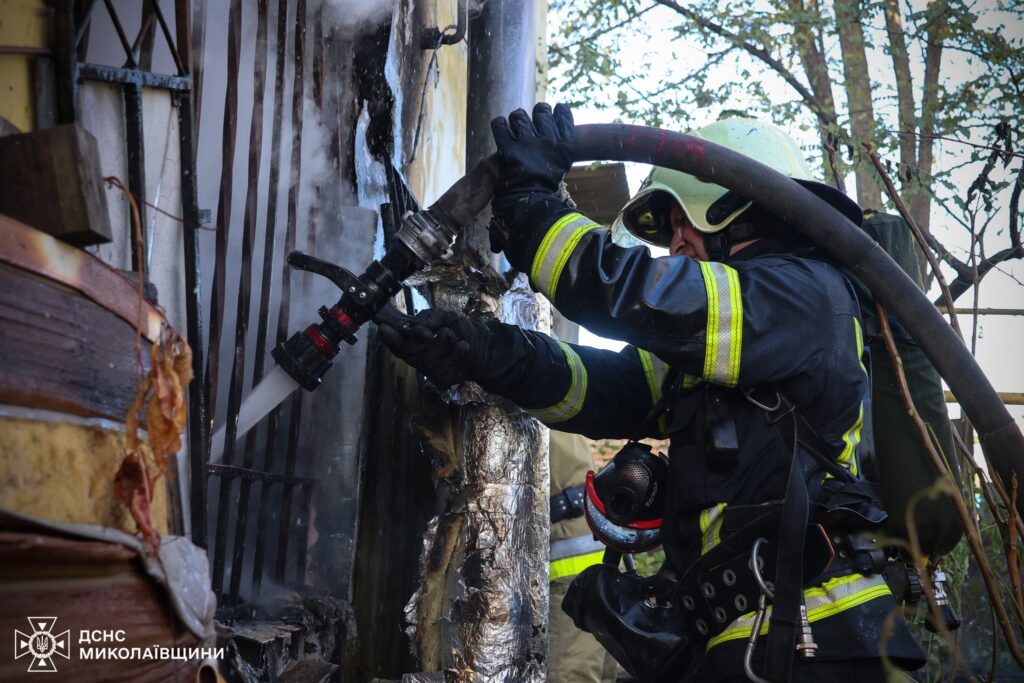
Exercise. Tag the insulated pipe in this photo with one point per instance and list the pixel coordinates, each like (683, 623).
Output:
(851, 247)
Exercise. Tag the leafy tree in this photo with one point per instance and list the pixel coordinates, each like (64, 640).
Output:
(868, 75)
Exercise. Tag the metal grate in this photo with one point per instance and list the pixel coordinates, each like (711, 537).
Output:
(72, 23)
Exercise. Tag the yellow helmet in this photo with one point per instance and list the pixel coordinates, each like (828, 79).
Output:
(711, 208)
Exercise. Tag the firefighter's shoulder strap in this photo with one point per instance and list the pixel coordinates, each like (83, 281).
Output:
(897, 459)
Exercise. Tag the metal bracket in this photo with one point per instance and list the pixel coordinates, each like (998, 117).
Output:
(432, 38)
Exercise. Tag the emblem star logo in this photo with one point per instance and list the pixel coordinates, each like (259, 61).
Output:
(42, 644)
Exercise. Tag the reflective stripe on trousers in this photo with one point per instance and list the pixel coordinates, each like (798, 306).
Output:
(571, 556)
(832, 597)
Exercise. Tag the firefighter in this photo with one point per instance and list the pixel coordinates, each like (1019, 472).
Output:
(575, 656)
(745, 351)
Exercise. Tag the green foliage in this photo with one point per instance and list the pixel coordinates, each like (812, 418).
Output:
(647, 564)
(684, 64)
(979, 638)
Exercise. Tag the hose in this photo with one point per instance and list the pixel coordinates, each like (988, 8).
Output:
(849, 246)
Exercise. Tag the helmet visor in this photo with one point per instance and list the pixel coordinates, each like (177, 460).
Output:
(650, 218)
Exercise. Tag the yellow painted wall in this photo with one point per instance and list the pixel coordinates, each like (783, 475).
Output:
(441, 155)
(65, 473)
(23, 23)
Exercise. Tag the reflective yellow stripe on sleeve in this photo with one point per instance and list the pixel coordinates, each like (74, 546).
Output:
(724, 337)
(851, 439)
(572, 403)
(711, 527)
(832, 597)
(571, 566)
(655, 371)
(555, 249)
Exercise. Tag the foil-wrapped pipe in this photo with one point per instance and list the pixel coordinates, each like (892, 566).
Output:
(481, 611)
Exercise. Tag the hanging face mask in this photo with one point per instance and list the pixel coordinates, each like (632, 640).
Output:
(624, 501)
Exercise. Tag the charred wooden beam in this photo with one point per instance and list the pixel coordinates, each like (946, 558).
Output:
(198, 426)
(269, 255)
(245, 295)
(55, 184)
(220, 270)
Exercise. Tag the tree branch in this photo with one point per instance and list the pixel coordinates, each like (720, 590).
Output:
(597, 34)
(922, 242)
(1018, 186)
(761, 54)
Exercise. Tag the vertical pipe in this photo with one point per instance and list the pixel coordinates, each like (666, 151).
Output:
(66, 59)
(136, 167)
(194, 55)
(269, 253)
(198, 434)
(220, 268)
(506, 452)
(245, 294)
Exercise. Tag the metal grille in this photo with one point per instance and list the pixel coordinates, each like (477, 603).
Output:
(73, 22)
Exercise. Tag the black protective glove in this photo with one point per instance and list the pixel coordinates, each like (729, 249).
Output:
(451, 348)
(535, 156)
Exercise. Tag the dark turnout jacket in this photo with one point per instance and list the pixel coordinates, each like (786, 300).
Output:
(702, 334)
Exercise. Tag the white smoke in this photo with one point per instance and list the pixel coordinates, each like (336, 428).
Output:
(351, 14)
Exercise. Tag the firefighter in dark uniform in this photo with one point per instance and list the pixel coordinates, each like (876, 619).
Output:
(745, 350)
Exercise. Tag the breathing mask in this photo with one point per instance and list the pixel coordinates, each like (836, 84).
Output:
(624, 501)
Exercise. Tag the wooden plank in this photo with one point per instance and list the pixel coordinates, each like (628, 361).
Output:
(599, 191)
(1010, 398)
(38, 253)
(60, 351)
(90, 586)
(984, 311)
(53, 181)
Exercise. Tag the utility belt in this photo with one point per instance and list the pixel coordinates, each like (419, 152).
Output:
(658, 628)
(730, 580)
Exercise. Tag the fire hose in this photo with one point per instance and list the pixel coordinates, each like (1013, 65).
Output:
(428, 235)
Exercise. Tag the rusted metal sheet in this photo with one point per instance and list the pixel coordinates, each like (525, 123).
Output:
(38, 253)
(62, 352)
(87, 585)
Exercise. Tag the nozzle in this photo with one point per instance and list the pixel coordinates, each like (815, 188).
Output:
(303, 359)
(307, 355)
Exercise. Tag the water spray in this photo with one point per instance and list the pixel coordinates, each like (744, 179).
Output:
(422, 239)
